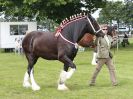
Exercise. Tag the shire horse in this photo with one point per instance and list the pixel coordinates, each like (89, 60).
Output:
(88, 41)
(61, 46)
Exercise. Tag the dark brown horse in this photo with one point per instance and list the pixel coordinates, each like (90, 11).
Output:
(87, 40)
(60, 46)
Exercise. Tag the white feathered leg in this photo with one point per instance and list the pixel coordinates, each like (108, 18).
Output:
(34, 84)
(62, 79)
(94, 59)
(70, 73)
(26, 82)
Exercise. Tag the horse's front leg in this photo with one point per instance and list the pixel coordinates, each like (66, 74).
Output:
(93, 62)
(64, 75)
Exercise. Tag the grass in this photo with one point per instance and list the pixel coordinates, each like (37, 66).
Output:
(13, 67)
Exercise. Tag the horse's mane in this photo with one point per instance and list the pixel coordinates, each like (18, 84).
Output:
(69, 20)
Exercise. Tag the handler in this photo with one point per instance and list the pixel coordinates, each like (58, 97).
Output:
(104, 56)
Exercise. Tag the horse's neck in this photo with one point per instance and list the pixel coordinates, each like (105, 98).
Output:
(74, 34)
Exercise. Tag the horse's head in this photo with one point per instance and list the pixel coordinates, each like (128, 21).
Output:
(94, 27)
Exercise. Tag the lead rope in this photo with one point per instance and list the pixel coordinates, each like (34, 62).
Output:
(98, 45)
(114, 59)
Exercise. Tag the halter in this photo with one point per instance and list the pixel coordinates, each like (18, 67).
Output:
(93, 26)
(58, 32)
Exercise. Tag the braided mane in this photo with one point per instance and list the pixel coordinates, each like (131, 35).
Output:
(67, 21)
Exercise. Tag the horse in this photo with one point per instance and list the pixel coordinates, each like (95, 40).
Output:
(88, 41)
(61, 45)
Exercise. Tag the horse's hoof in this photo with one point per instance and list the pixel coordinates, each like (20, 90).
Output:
(35, 87)
(26, 84)
(62, 87)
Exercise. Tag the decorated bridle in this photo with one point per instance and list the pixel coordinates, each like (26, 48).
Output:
(72, 19)
(93, 27)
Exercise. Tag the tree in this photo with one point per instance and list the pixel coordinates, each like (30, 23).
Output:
(128, 10)
(118, 11)
(112, 11)
(43, 9)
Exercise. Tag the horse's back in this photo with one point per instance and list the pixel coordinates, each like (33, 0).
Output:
(42, 44)
(39, 35)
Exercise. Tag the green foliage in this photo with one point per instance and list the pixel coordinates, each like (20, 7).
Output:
(112, 11)
(42, 9)
(128, 16)
(117, 11)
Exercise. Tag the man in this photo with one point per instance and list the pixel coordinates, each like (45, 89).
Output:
(104, 56)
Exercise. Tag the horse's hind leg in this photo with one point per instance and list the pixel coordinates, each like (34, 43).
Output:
(26, 82)
(35, 86)
(29, 74)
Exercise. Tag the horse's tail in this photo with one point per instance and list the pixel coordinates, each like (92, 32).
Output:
(27, 43)
(27, 32)
(31, 44)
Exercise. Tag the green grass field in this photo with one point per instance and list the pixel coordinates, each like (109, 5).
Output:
(13, 67)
